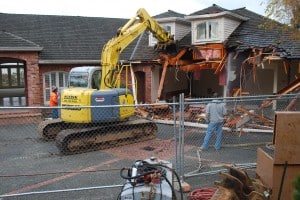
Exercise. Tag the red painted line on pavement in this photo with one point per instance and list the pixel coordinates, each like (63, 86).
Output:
(54, 180)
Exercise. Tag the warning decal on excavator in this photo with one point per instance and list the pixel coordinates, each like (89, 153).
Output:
(99, 99)
(70, 98)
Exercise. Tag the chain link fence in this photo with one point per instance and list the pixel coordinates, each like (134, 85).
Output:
(44, 158)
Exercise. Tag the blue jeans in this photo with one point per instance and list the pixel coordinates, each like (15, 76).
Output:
(54, 113)
(212, 126)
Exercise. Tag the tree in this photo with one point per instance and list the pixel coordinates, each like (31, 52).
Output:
(296, 184)
(286, 12)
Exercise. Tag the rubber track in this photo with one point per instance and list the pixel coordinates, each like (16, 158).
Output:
(74, 141)
(49, 129)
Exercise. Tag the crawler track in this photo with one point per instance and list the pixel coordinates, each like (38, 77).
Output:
(71, 139)
(74, 141)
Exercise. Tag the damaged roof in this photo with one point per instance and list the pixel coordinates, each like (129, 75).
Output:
(82, 38)
(250, 34)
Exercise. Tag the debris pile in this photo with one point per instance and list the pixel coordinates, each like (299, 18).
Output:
(243, 118)
(236, 184)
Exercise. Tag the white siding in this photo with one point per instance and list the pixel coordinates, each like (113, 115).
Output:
(229, 26)
(181, 30)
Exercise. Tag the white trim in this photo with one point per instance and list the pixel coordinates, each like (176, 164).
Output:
(207, 40)
(57, 83)
(217, 15)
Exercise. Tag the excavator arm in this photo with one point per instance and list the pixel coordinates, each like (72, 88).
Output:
(126, 35)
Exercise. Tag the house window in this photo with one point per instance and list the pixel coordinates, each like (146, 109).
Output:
(208, 30)
(59, 79)
(153, 40)
(12, 84)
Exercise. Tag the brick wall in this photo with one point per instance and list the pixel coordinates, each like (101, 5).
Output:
(146, 69)
(32, 81)
(34, 76)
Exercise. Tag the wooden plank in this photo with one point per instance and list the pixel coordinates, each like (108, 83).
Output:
(287, 188)
(287, 138)
(264, 168)
(162, 80)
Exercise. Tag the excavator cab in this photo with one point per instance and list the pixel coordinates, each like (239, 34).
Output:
(85, 77)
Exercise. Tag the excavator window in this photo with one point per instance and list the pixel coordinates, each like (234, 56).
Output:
(96, 79)
(79, 79)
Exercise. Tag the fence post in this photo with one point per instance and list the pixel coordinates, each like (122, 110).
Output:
(175, 135)
(181, 133)
(185, 187)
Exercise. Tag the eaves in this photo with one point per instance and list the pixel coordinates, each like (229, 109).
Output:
(173, 19)
(215, 15)
(8, 49)
(78, 62)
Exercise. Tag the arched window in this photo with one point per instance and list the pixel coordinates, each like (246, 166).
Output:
(12, 83)
(59, 79)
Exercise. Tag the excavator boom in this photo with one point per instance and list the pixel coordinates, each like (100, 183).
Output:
(126, 35)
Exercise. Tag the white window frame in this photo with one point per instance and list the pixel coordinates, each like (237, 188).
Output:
(211, 31)
(57, 78)
(153, 40)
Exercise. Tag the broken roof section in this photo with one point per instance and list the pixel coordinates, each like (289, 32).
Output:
(250, 33)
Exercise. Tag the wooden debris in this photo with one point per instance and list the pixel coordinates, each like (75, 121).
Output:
(236, 185)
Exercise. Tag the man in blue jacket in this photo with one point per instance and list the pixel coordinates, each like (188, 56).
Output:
(215, 112)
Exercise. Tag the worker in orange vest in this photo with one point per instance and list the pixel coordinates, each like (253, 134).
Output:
(54, 102)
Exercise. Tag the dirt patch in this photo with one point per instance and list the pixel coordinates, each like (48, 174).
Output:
(162, 149)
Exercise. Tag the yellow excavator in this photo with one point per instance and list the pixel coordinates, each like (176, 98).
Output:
(97, 113)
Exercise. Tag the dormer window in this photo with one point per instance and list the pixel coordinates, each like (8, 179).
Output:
(153, 40)
(208, 30)
(214, 27)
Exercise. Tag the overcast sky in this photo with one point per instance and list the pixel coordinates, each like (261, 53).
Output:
(120, 8)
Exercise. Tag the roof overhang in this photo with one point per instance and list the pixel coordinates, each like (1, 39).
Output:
(21, 49)
(172, 19)
(216, 15)
(91, 62)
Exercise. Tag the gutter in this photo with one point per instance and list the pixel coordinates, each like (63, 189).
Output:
(88, 62)
(7, 49)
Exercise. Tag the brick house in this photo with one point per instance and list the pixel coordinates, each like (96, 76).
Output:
(214, 44)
